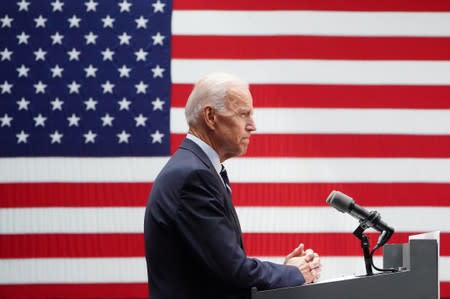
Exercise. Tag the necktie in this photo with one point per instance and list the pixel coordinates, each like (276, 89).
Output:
(224, 175)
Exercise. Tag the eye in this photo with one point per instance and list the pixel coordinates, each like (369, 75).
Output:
(244, 114)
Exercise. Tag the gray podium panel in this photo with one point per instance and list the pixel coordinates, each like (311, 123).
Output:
(417, 279)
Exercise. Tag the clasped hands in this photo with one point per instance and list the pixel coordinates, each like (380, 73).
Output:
(307, 261)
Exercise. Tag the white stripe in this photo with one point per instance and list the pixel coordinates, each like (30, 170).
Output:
(97, 270)
(188, 22)
(240, 170)
(338, 170)
(327, 219)
(129, 169)
(276, 71)
(335, 267)
(253, 220)
(73, 270)
(339, 121)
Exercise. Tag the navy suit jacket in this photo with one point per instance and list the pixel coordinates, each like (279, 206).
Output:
(193, 239)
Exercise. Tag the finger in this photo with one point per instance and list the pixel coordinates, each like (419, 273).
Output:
(299, 251)
(309, 255)
(315, 263)
(307, 275)
(316, 277)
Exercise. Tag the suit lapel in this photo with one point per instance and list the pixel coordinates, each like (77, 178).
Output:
(196, 150)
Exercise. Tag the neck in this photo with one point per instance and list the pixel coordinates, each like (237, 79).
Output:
(207, 138)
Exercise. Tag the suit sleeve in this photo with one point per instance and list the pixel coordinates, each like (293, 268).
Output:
(203, 223)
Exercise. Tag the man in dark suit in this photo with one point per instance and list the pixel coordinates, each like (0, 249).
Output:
(192, 234)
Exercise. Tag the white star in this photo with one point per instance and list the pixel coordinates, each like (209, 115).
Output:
(124, 71)
(74, 87)
(23, 71)
(73, 54)
(40, 54)
(73, 120)
(158, 6)
(157, 71)
(56, 71)
(89, 137)
(90, 71)
(107, 120)
(158, 39)
(40, 21)
(140, 120)
(40, 87)
(22, 137)
(6, 120)
(107, 54)
(124, 104)
(57, 5)
(124, 6)
(124, 38)
(6, 54)
(91, 5)
(141, 88)
(6, 87)
(56, 137)
(23, 5)
(158, 104)
(39, 120)
(57, 38)
(123, 137)
(107, 87)
(6, 21)
(90, 38)
(23, 104)
(141, 55)
(90, 104)
(108, 22)
(141, 22)
(23, 38)
(157, 137)
(56, 104)
(74, 21)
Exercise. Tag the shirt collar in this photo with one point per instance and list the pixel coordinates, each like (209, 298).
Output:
(208, 150)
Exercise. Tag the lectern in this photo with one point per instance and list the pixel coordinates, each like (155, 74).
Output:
(417, 278)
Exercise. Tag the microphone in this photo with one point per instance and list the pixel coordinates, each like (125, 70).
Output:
(345, 204)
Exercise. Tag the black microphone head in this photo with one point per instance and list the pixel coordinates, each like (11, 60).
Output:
(340, 201)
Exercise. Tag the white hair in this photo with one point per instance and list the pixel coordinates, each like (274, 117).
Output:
(210, 90)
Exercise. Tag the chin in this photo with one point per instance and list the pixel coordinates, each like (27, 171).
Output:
(243, 151)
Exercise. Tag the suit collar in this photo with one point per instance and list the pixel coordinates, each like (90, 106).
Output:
(208, 150)
(191, 146)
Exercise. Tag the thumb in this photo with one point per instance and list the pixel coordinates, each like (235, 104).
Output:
(299, 251)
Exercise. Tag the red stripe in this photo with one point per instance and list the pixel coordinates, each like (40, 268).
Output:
(106, 290)
(21, 195)
(310, 47)
(331, 5)
(337, 96)
(74, 291)
(343, 146)
(366, 194)
(445, 289)
(132, 245)
(326, 244)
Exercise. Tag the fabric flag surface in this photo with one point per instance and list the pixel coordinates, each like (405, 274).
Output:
(351, 96)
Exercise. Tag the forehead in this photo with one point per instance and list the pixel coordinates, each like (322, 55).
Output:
(239, 97)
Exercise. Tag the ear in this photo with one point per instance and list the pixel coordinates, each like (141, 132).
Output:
(209, 116)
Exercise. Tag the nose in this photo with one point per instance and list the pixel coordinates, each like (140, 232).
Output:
(251, 126)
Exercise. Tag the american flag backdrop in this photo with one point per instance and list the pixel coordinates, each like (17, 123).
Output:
(348, 95)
